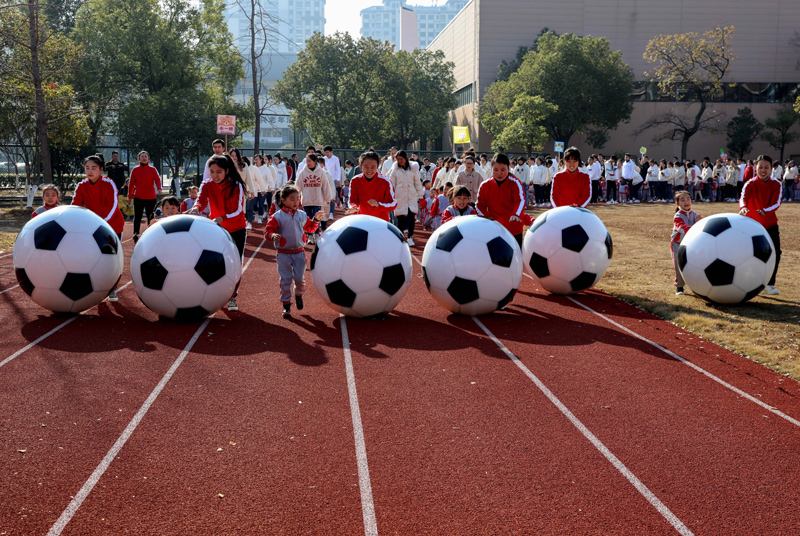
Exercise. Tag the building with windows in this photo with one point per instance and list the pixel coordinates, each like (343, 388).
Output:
(764, 75)
(384, 22)
(289, 24)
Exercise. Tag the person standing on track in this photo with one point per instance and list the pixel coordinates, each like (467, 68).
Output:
(287, 228)
(314, 187)
(143, 189)
(225, 195)
(370, 192)
(760, 200)
(571, 187)
(500, 198)
(99, 194)
(218, 147)
(404, 177)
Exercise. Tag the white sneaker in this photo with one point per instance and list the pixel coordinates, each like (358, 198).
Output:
(112, 296)
(258, 220)
(232, 305)
(248, 227)
(330, 216)
(410, 241)
(772, 291)
(312, 240)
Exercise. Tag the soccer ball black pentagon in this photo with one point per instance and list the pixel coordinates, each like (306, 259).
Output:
(472, 265)
(567, 250)
(67, 259)
(185, 267)
(726, 258)
(361, 266)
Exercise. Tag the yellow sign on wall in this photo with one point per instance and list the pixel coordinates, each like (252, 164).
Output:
(461, 135)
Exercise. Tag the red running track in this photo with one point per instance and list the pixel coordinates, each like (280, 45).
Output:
(459, 440)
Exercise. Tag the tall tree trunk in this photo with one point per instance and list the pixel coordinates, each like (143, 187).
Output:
(40, 105)
(685, 145)
(254, 68)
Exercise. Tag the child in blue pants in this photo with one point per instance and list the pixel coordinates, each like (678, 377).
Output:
(287, 228)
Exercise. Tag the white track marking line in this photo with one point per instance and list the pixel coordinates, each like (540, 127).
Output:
(643, 490)
(53, 331)
(6, 255)
(76, 502)
(9, 289)
(364, 484)
(693, 366)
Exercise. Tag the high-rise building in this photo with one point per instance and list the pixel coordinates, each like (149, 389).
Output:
(383, 22)
(289, 24)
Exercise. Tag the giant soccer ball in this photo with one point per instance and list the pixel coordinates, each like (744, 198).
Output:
(472, 265)
(185, 267)
(361, 266)
(567, 250)
(726, 258)
(67, 259)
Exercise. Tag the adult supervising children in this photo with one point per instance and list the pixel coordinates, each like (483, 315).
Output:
(143, 189)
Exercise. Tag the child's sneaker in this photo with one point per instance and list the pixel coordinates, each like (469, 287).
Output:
(410, 242)
(679, 291)
(771, 290)
(112, 296)
(249, 226)
(287, 310)
(298, 301)
(232, 305)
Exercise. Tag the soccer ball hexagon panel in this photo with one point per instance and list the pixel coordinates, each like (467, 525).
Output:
(67, 259)
(567, 250)
(361, 266)
(185, 267)
(726, 258)
(472, 265)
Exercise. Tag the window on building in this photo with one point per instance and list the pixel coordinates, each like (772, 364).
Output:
(465, 96)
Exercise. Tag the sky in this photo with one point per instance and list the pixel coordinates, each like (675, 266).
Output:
(345, 15)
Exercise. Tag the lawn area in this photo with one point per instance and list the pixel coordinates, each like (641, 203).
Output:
(766, 329)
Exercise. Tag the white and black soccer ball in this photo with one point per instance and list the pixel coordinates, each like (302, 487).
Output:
(726, 258)
(185, 267)
(361, 266)
(567, 249)
(472, 265)
(67, 259)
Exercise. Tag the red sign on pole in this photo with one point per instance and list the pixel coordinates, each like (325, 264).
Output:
(226, 124)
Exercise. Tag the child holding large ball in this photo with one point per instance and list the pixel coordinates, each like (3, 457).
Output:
(683, 220)
(500, 198)
(371, 193)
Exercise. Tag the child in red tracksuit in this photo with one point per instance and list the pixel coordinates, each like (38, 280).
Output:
(99, 194)
(370, 193)
(287, 228)
(225, 194)
(760, 200)
(571, 187)
(500, 198)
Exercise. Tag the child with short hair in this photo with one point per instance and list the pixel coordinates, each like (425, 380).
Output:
(460, 206)
(500, 198)
(287, 228)
(760, 200)
(571, 186)
(315, 187)
(683, 220)
(170, 206)
(370, 192)
(188, 203)
(51, 198)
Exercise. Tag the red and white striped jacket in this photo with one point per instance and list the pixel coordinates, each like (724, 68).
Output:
(764, 195)
(101, 198)
(226, 200)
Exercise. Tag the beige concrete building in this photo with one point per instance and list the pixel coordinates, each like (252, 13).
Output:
(765, 70)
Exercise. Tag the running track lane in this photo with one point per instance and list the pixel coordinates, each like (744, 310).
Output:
(64, 405)
(720, 462)
(252, 435)
(459, 442)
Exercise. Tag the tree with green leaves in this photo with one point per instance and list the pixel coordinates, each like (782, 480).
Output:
(586, 85)
(507, 67)
(778, 129)
(689, 67)
(743, 129)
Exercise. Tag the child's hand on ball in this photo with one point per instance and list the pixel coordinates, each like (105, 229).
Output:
(514, 219)
(319, 216)
(275, 237)
(218, 221)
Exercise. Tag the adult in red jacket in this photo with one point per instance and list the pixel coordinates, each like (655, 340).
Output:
(500, 198)
(371, 193)
(143, 188)
(571, 187)
(760, 200)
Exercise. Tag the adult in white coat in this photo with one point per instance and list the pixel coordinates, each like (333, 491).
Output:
(404, 177)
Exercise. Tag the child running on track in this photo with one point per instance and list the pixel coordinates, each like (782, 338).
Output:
(500, 198)
(370, 192)
(225, 195)
(51, 198)
(571, 187)
(287, 228)
(99, 194)
(760, 200)
(684, 218)
(460, 206)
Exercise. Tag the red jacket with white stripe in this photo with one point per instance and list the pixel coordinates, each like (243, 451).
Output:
(378, 188)
(500, 200)
(101, 198)
(571, 188)
(758, 194)
(226, 201)
(144, 183)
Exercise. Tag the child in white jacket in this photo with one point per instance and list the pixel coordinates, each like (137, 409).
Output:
(315, 188)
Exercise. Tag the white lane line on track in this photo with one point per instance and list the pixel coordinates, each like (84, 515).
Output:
(53, 331)
(643, 490)
(76, 502)
(9, 289)
(364, 483)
